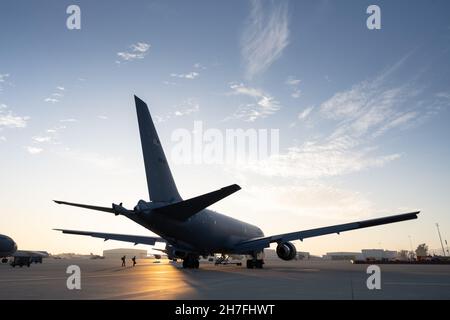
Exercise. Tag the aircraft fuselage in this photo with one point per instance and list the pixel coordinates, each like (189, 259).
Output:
(206, 232)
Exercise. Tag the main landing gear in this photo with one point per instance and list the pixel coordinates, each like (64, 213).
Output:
(255, 262)
(191, 262)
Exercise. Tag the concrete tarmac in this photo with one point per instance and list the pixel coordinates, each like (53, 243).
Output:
(106, 279)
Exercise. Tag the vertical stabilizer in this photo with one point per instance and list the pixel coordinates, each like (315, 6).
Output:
(161, 186)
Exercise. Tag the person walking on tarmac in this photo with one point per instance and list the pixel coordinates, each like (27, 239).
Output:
(123, 261)
(134, 260)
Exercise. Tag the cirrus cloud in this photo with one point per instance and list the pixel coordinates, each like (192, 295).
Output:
(138, 51)
(265, 37)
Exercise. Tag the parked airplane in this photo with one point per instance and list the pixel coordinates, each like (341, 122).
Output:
(188, 228)
(8, 248)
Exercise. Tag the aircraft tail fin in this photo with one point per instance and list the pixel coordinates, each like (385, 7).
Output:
(161, 186)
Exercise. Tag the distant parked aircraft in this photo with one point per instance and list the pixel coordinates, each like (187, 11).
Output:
(188, 228)
(8, 248)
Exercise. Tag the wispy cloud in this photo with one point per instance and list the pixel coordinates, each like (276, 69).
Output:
(33, 150)
(293, 83)
(314, 160)
(50, 136)
(305, 113)
(191, 75)
(40, 139)
(187, 107)
(358, 118)
(102, 117)
(140, 47)
(3, 78)
(9, 120)
(199, 66)
(2, 138)
(371, 107)
(263, 103)
(51, 100)
(68, 120)
(55, 97)
(265, 36)
(138, 51)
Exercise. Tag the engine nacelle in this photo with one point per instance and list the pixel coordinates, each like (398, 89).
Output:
(286, 251)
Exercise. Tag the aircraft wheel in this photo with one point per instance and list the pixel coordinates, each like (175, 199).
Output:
(4, 260)
(191, 262)
(250, 264)
(188, 264)
(259, 264)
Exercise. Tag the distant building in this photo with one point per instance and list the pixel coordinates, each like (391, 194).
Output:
(379, 254)
(343, 256)
(302, 255)
(365, 254)
(129, 253)
(271, 254)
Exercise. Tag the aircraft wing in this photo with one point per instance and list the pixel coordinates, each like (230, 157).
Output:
(27, 253)
(264, 242)
(114, 236)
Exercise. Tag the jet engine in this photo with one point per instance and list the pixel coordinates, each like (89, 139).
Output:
(286, 251)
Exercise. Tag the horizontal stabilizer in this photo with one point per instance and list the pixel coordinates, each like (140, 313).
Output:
(184, 209)
(116, 209)
(114, 236)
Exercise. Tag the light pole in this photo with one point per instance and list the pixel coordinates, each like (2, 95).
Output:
(440, 238)
(412, 251)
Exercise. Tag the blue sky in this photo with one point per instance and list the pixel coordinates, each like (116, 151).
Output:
(362, 114)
